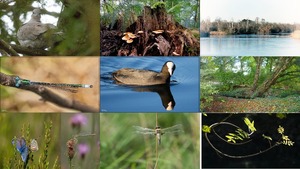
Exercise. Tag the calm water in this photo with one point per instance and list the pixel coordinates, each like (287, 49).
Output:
(184, 88)
(249, 46)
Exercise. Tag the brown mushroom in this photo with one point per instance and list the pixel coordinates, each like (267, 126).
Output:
(158, 31)
(129, 41)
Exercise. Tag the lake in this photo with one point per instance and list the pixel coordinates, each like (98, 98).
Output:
(183, 91)
(249, 45)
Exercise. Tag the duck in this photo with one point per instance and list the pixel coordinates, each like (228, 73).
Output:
(140, 77)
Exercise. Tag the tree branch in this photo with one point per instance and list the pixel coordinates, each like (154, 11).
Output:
(14, 50)
(31, 52)
(47, 95)
(7, 48)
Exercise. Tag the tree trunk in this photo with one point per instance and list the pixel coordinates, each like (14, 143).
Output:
(155, 33)
(258, 61)
(283, 64)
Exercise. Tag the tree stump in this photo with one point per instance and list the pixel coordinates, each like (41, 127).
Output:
(155, 33)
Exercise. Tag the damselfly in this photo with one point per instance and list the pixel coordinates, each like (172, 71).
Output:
(64, 86)
(158, 132)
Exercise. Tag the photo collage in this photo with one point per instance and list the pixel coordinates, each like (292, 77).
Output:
(148, 84)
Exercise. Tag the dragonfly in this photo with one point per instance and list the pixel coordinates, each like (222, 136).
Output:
(158, 131)
(63, 86)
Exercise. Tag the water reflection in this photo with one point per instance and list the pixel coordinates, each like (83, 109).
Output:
(164, 93)
(249, 45)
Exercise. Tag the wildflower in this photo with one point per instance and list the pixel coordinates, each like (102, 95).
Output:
(83, 149)
(78, 120)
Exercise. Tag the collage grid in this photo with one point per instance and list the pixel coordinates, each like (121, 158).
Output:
(163, 84)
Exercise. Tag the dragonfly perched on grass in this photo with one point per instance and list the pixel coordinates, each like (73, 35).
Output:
(63, 86)
(158, 132)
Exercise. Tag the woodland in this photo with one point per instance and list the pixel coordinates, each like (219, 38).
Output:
(78, 21)
(250, 84)
(150, 28)
(245, 26)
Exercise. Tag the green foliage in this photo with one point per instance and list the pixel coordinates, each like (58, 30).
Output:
(238, 135)
(158, 4)
(285, 139)
(250, 124)
(206, 128)
(234, 77)
(207, 89)
(185, 12)
(241, 134)
(237, 93)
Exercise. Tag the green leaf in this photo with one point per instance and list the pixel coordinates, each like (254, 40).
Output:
(250, 124)
(205, 128)
(267, 137)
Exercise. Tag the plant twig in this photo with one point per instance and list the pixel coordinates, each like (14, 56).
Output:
(47, 95)
(31, 52)
(8, 48)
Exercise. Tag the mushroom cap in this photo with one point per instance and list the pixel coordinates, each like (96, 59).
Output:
(158, 31)
(129, 41)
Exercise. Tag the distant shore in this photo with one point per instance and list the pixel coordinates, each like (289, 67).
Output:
(296, 34)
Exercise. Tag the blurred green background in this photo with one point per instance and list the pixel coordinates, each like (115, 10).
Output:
(121, 147)
(11, 125)
(92, 157)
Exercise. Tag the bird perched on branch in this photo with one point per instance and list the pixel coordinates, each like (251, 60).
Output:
(37, 35)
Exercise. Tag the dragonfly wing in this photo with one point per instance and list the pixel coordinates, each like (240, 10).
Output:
(173, 129)
(142, 130)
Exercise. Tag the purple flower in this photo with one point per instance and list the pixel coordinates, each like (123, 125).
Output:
(78, 120)
(83, 149)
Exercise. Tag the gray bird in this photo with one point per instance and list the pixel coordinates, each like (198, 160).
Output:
(35, 34)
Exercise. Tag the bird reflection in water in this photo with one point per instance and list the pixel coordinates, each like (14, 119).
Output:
(163, 91)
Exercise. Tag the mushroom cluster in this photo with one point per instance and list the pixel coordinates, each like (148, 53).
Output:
(128, 37)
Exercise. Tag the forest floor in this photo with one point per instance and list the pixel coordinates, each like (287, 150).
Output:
(268, 104)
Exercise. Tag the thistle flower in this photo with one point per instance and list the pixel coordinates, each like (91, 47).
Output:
(83, 149)
(78, 120)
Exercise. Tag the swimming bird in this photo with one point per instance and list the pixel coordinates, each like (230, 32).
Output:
(142, 77)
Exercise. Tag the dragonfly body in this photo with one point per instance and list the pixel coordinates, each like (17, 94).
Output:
(158, 131)
(64, 86)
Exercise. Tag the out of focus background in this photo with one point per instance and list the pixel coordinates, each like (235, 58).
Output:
(83, 70)
(44, 128)
(84, 129)
(121, 147)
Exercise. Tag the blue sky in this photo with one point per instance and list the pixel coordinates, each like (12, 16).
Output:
(281, 11)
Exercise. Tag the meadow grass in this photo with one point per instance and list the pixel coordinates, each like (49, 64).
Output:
(121, 147)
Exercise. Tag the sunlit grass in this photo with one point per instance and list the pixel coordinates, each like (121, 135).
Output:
(41, 127)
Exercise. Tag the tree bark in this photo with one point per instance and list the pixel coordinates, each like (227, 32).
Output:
(283, 64)
(258, 61)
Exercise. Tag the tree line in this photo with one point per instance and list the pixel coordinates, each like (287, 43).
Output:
(245, 26)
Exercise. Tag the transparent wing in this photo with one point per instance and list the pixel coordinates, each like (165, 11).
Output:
(142, 130)
(173, 129)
